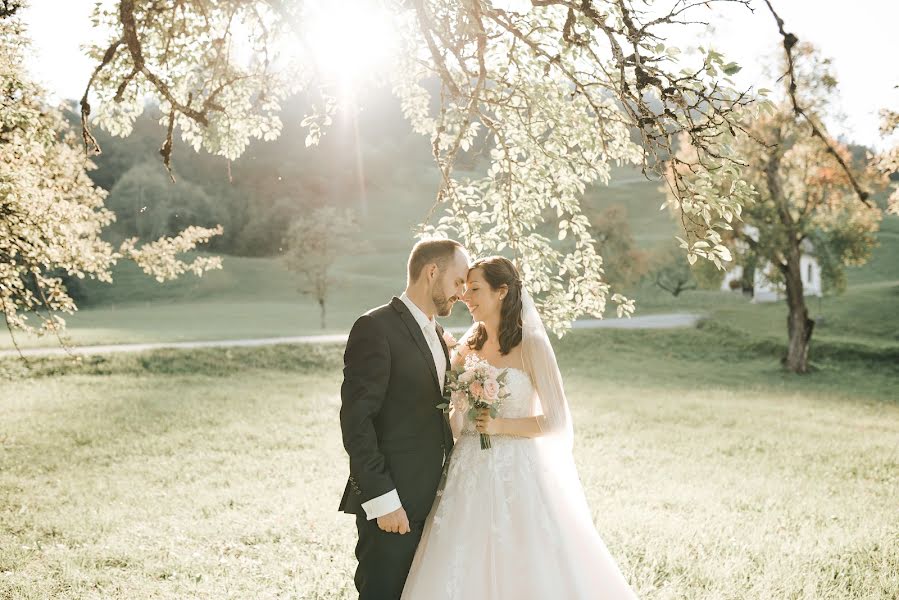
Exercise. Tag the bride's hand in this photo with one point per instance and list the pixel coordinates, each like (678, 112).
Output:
(484, 423)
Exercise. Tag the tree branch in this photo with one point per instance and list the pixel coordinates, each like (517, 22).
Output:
(90, 142)
(132, 40)
(789, 41)
(8, 8)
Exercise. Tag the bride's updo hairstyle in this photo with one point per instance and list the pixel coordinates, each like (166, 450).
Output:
(499, 271)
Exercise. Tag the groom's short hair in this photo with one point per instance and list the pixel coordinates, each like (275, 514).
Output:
(426, 252)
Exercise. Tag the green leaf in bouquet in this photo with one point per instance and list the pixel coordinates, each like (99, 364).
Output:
(493, 412)
(444, 407)
(501, 378)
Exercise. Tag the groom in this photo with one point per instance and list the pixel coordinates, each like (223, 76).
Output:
(398, 441)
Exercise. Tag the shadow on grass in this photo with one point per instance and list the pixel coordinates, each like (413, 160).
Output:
(210, 362)
(711, 355)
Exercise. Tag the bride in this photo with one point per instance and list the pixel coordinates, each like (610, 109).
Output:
(512, 521)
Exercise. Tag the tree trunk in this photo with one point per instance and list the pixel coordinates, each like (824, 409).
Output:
(799, 325)
(321, 306)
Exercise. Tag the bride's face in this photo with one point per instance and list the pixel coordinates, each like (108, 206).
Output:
(482, 301)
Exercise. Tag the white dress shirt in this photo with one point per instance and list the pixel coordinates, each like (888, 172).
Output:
(429, 329)
(389, 502)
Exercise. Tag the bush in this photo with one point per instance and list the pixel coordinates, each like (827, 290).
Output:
(263, 235)
(148, 205)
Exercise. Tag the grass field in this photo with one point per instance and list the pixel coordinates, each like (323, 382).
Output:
(216, 473)
(712, 473)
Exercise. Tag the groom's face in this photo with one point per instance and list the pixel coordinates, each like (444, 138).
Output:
(450, 284)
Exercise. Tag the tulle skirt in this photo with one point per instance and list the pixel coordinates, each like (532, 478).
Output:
(512, 523)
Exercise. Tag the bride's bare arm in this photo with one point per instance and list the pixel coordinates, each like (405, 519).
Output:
(456, 418)
(524, 427)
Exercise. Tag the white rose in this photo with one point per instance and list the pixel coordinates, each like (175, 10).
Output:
(491, 389)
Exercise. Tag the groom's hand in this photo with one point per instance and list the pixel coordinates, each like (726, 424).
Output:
(395, 522)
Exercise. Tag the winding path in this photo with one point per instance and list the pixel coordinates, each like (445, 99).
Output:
(661, 321)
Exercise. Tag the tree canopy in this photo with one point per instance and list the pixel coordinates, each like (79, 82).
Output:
(51, 213)
(553, 92)
(550, 93)
(805, 203)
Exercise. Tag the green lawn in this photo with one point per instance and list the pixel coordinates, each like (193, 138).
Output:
(216, 473)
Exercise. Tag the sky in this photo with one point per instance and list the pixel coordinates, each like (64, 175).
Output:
(860, 36)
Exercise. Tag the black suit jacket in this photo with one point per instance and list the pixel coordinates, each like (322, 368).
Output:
(395, 435)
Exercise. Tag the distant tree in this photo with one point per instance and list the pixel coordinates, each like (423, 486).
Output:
(314, 242)
(623, 263)
(669, 271)
(806, 204)
(265, 230)
(259, 194)
(148, 204)
(51, 214)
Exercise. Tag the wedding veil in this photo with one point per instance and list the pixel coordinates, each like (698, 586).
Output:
(540, 363)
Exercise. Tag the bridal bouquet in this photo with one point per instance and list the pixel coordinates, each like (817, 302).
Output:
(476, 385)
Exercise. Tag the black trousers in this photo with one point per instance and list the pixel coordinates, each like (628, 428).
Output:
(384, 559)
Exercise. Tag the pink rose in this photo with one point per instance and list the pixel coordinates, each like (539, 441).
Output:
(476, 389)
(491, 389)
(467, 376)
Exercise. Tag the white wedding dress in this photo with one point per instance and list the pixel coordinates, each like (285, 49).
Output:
(512, 523)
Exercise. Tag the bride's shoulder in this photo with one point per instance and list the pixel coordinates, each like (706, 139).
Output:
(515, 358)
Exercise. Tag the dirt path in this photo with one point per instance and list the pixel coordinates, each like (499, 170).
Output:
(663, 321)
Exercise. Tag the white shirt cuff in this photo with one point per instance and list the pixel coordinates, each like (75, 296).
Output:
(382, 505)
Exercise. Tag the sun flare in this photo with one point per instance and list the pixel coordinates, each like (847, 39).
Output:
(349, 41)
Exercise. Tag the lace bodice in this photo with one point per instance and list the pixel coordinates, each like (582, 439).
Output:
(520, 402)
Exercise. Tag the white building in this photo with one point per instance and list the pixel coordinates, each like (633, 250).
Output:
(763, 289)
